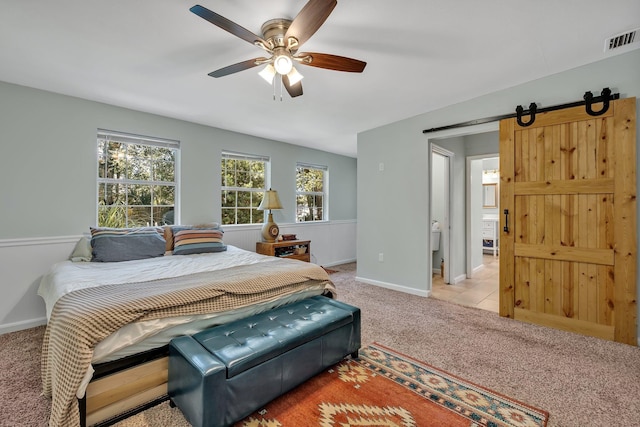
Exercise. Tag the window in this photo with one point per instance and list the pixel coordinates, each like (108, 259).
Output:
(244, 181)
(311, 193)
(137, 180)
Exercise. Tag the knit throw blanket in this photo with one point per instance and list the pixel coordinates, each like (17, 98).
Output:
(84, 317)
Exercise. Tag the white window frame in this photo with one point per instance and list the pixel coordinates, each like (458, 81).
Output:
(324, 193)
(223, 188)
(132, 139)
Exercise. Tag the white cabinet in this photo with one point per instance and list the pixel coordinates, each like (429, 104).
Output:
(490, 235)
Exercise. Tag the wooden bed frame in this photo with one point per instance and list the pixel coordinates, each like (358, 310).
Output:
(125, 387)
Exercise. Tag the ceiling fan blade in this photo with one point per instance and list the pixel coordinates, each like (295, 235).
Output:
(294, 90)
(310, 18)
(331, 62)
(240, 66)
(227, 25)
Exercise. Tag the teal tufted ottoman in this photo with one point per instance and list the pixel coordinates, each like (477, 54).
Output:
(221, 375)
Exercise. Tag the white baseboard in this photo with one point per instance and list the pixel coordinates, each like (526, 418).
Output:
(474, 271)
(394, 287)
(458, 279)
(25, 324)
(345, 261)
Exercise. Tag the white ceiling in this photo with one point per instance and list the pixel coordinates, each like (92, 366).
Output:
(154, 56)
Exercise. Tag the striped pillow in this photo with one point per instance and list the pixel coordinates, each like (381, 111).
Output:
(197, 241)
(170, 230)
(126, 244)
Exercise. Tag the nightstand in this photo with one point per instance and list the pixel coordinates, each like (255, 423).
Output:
(294, 249)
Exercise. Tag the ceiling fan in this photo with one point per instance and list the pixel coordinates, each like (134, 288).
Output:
(282, 38)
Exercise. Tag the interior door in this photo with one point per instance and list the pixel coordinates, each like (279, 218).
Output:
(568, 232)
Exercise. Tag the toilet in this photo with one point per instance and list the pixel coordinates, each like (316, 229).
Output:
(435, 240)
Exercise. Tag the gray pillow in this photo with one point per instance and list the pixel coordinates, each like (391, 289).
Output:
(126, 244)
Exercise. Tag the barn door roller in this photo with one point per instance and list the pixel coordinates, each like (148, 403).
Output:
(531, 112)
(605, 97)
(588, 100)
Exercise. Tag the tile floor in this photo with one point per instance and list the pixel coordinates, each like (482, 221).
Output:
(480, 292)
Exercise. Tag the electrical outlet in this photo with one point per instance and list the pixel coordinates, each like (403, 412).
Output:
(380, 257)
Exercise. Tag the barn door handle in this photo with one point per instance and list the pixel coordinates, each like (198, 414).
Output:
(604, 97)
(506, 221)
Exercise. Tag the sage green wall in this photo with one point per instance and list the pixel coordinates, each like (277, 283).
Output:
(482, 143)
(48, 163)
(400, 228)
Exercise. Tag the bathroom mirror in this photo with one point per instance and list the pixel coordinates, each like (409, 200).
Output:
(489, 196)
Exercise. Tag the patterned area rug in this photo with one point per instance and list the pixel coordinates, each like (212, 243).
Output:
(385, 388)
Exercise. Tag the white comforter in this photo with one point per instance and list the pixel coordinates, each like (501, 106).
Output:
(67, 276)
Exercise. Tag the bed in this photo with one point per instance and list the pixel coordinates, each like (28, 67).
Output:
(114, 319)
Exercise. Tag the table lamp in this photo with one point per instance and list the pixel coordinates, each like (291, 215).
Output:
(269, 202)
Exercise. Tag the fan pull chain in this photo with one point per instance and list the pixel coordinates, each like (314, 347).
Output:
(273, 84)
(281, 88)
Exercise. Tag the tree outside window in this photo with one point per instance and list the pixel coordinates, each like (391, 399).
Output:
(136, 180)
(243, 181)
(311, 197)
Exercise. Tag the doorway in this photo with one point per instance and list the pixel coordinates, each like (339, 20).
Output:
(480, 288)
(482, 210)
(461, 285)
(481, 291)
(440, 212)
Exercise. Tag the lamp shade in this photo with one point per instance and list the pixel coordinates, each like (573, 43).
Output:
(268, 73)
(294, 76)
(270, 201)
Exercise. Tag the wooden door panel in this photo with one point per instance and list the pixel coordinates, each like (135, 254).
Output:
(567, 289)
(552, 152)
(568, 257)
(508, 160)
(565, 253)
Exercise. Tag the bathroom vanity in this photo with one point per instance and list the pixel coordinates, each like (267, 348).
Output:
(490, 235)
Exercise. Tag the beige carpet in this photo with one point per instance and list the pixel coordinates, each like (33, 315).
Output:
(581, 381)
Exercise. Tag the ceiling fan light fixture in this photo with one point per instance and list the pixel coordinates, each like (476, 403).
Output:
(294, 76)
(282, 38)
(268, 73)
(283, 64)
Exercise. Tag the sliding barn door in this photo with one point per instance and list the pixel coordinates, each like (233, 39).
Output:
(568, 193)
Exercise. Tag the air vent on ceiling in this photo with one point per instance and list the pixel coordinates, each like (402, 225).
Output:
(620, 40)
